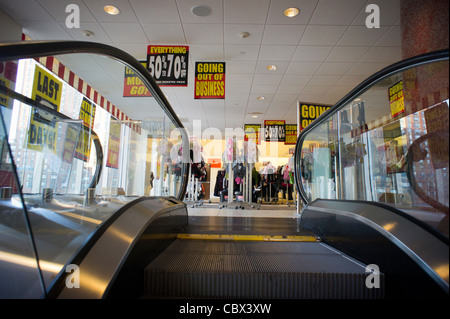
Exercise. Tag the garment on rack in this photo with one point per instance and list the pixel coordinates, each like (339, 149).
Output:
(279, 176)
(268, 173)
(287, 188)
(256, 177)
(199, 171)
(200, 192)
(239, 169)
(219, 183)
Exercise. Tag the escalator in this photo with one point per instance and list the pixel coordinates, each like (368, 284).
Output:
(263, 268)
(375, 190)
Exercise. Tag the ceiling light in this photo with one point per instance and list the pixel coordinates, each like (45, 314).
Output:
(111, 10)
(272, 67)
(254, 115)
(291, 12)
(243, 35)
(87, 33)
(201, 11)
(260, 98)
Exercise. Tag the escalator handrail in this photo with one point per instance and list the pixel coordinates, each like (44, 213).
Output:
(358, 90)
(411, 157)
(34, 49)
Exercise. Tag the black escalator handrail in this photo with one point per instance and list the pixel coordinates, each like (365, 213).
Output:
(34, 49)
(98, 146)
(413, 156)
(99, 154)
(358, 90)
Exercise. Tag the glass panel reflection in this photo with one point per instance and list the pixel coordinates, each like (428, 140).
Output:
(82, 146)
(389, 145)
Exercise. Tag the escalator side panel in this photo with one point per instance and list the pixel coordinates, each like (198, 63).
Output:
(398, 246)
(157, 218)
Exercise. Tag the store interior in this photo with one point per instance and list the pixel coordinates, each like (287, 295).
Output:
(264, 177)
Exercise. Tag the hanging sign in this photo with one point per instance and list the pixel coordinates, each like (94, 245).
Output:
(252, 133)
(437, 122)
(70, 142)
(291, 134)
(168, 64)
(132, 84)
(46, 88)
(113, 144)
(309, 112)
(214, 162)
(275, 130)
(396, 99)
(209, 80)
(47, 91)
(8, 73)
(87, 114)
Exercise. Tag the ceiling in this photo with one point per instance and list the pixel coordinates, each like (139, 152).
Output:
(321, 54)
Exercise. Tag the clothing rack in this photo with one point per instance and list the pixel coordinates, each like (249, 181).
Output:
(240, 160)
(192, 192)
(268, 184)
(240, 199)
(197, 174)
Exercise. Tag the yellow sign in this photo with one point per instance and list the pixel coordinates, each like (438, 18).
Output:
(291, 134)
(70, 143)
(40, 136)
(209, 80)
(113, 145)
(309, 112)
(133, 85)
(396, 99)
(8, 74)
(46, 87)
(47, 91)
(252, 133)
(87, 114)
(4, 99)
(83, 148)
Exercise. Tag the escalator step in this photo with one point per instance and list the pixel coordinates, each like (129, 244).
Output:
(272, 270)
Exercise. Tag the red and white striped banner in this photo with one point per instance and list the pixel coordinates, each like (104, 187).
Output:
(84, 88)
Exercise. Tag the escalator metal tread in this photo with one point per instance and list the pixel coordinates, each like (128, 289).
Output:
(213, 269)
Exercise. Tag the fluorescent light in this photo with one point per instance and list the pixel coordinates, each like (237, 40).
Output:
(291, 12)
(254, 115)
(272, 67)
(260, 98)
(111, 10)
